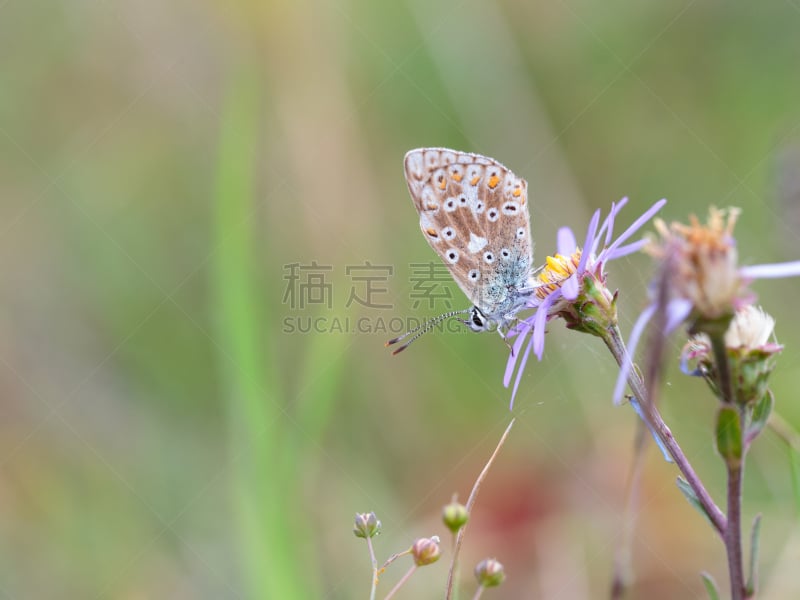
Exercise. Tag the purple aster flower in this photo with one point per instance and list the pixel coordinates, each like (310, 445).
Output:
(572, 285)
(699, 280)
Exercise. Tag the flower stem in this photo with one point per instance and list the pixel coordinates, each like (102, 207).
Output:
(402, 582)
(733, 533)
(723, 368)
(470, 503)
(656, 424)
(374, 569)
(478, 593)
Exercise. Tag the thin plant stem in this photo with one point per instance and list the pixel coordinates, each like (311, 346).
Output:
(478, 593)
(656, 423)
(733, 533)
(723, 368)
(393, 558)
(470, 503)
(402, 582)
(374, 569)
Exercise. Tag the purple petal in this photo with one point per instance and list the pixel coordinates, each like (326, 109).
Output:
(566, 242)
(677, 311)
(627, 362)
(514, 357)
(637, 224)
(773, 271)
(587, 246)
(615, 208)
(684, 364)
(621, 251)
(604, 228)
(540, 321)
(520, 371)
(570, 287)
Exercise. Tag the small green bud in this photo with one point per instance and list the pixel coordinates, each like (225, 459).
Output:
(489, 572)
(729, 436)
(426, 551)
(367, 525)
(455, 516)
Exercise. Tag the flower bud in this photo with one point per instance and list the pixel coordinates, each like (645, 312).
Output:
(426, 551)
(367, 525)
(455, 516)
(489, 572)
(749, 350)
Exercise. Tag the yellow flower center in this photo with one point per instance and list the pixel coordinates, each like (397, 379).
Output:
(556, 270)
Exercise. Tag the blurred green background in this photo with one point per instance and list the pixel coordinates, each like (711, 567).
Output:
(167, 429)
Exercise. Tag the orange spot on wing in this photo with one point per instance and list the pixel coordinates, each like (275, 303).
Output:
(516, 193)
(431, 232)
(475, 180)
(431, 206)
(457, 177)
(493, 181)
(442, 183)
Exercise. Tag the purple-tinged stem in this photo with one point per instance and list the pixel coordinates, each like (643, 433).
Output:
(733, 533)
(656, 424)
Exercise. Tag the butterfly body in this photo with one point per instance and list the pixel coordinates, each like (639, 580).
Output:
(473, 212)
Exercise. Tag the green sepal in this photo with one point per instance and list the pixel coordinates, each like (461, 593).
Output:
(711, 585)
(729, 436)
(759, 416)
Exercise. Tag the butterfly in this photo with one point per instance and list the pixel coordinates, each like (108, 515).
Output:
(473, 212)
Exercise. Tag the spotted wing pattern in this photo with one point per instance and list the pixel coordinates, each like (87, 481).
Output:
(473, 212)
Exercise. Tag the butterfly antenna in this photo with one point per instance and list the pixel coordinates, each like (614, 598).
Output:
(422, 329)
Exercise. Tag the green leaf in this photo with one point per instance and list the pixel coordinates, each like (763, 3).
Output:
(760, 415)
(729, 436)
(752, 578)
(711, 585)
(689, 494)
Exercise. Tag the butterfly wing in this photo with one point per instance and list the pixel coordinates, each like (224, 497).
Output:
(473, 212)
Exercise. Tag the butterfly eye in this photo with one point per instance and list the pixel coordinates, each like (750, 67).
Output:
(493, 215)
(520, 233)
(449, 233)
(488, 257)
(452, 256)
(474, 275)
(476, 322)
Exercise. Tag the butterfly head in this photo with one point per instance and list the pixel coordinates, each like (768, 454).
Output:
(479, 322)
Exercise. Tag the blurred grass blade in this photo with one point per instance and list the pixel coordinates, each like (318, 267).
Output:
(324, 367)
(247, 365)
